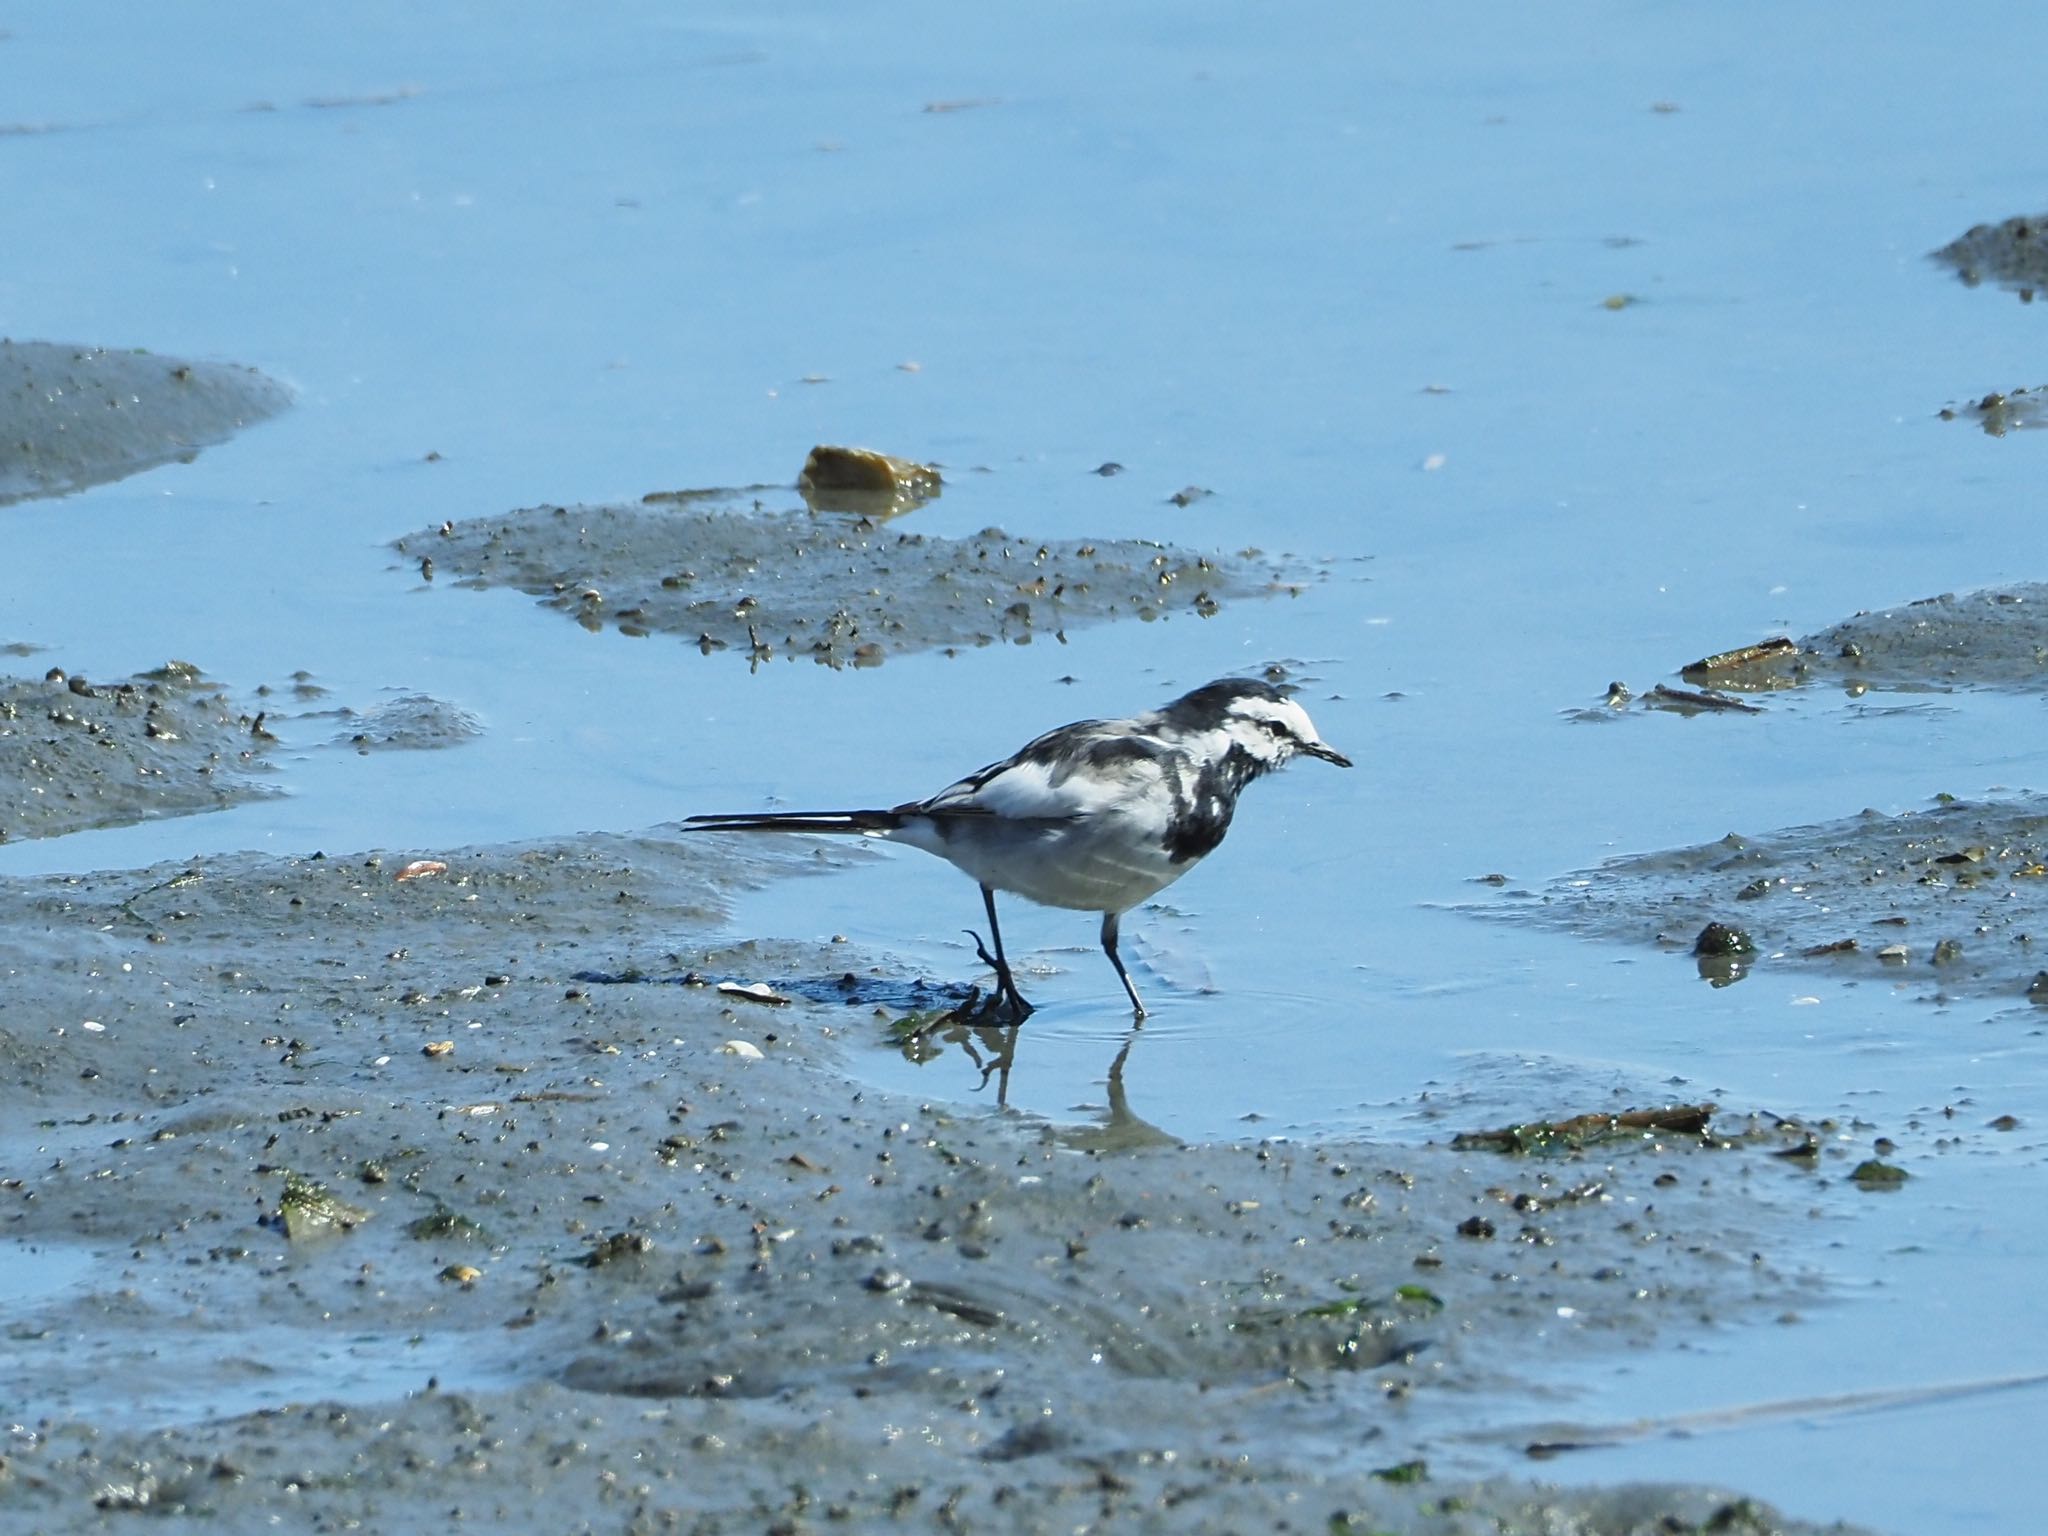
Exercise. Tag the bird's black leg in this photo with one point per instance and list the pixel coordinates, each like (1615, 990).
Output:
(1109, 920)
(1005, 982)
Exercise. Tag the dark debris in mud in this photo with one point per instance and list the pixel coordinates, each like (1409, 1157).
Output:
(866, 989)
(766, 585)
(1578, 1132)
(73, 416)
(76, 753)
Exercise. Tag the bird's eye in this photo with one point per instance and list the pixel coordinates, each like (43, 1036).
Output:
(1276, 730)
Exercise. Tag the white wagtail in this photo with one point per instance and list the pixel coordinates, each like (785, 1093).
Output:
(1098, 815)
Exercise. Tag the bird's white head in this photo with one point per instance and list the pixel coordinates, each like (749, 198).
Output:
(1268, 725)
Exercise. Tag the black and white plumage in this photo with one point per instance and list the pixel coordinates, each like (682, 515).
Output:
(1099, 815)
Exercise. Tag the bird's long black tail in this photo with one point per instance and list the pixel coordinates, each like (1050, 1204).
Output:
(797, 821)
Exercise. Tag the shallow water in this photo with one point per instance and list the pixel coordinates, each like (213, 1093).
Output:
(1348, 271)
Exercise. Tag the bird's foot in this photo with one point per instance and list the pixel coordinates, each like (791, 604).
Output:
(1006, 984)
(988, 1010)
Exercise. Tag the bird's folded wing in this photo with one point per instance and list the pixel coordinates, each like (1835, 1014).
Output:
(1107, 778)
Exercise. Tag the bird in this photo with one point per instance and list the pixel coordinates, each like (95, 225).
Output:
(1096, 816)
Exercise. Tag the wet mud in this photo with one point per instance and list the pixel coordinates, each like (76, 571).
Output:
(2012, 254)
(363, 1136)
(767, 584)
(1950, 901)
(413, 722)
(76, 753)
(1995, 638)
(1946, 901)
(74, 416)
(2003, 411)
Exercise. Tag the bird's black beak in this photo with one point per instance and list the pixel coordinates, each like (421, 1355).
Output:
(1327, 753)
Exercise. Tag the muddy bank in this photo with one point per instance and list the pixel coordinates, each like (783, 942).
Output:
(1945, 901)
(75, 416)
(384, 1137)
(1952, 900)
(775, 584)
(75, 753)
(554, 1460)
(1995, 638)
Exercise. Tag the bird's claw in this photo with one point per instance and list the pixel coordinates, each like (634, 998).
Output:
(1006, 984)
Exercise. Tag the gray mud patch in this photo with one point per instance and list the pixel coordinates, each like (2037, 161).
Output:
(413, 722)
(1948, 901)
(768, 584)
(2013, 254)
(557, 1460)
(366, 1204)
(77, 754)
(74, 416)
(1995, 638)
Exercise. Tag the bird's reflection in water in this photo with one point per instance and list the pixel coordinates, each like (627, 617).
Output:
(991, 1048)
(1119, 1130)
